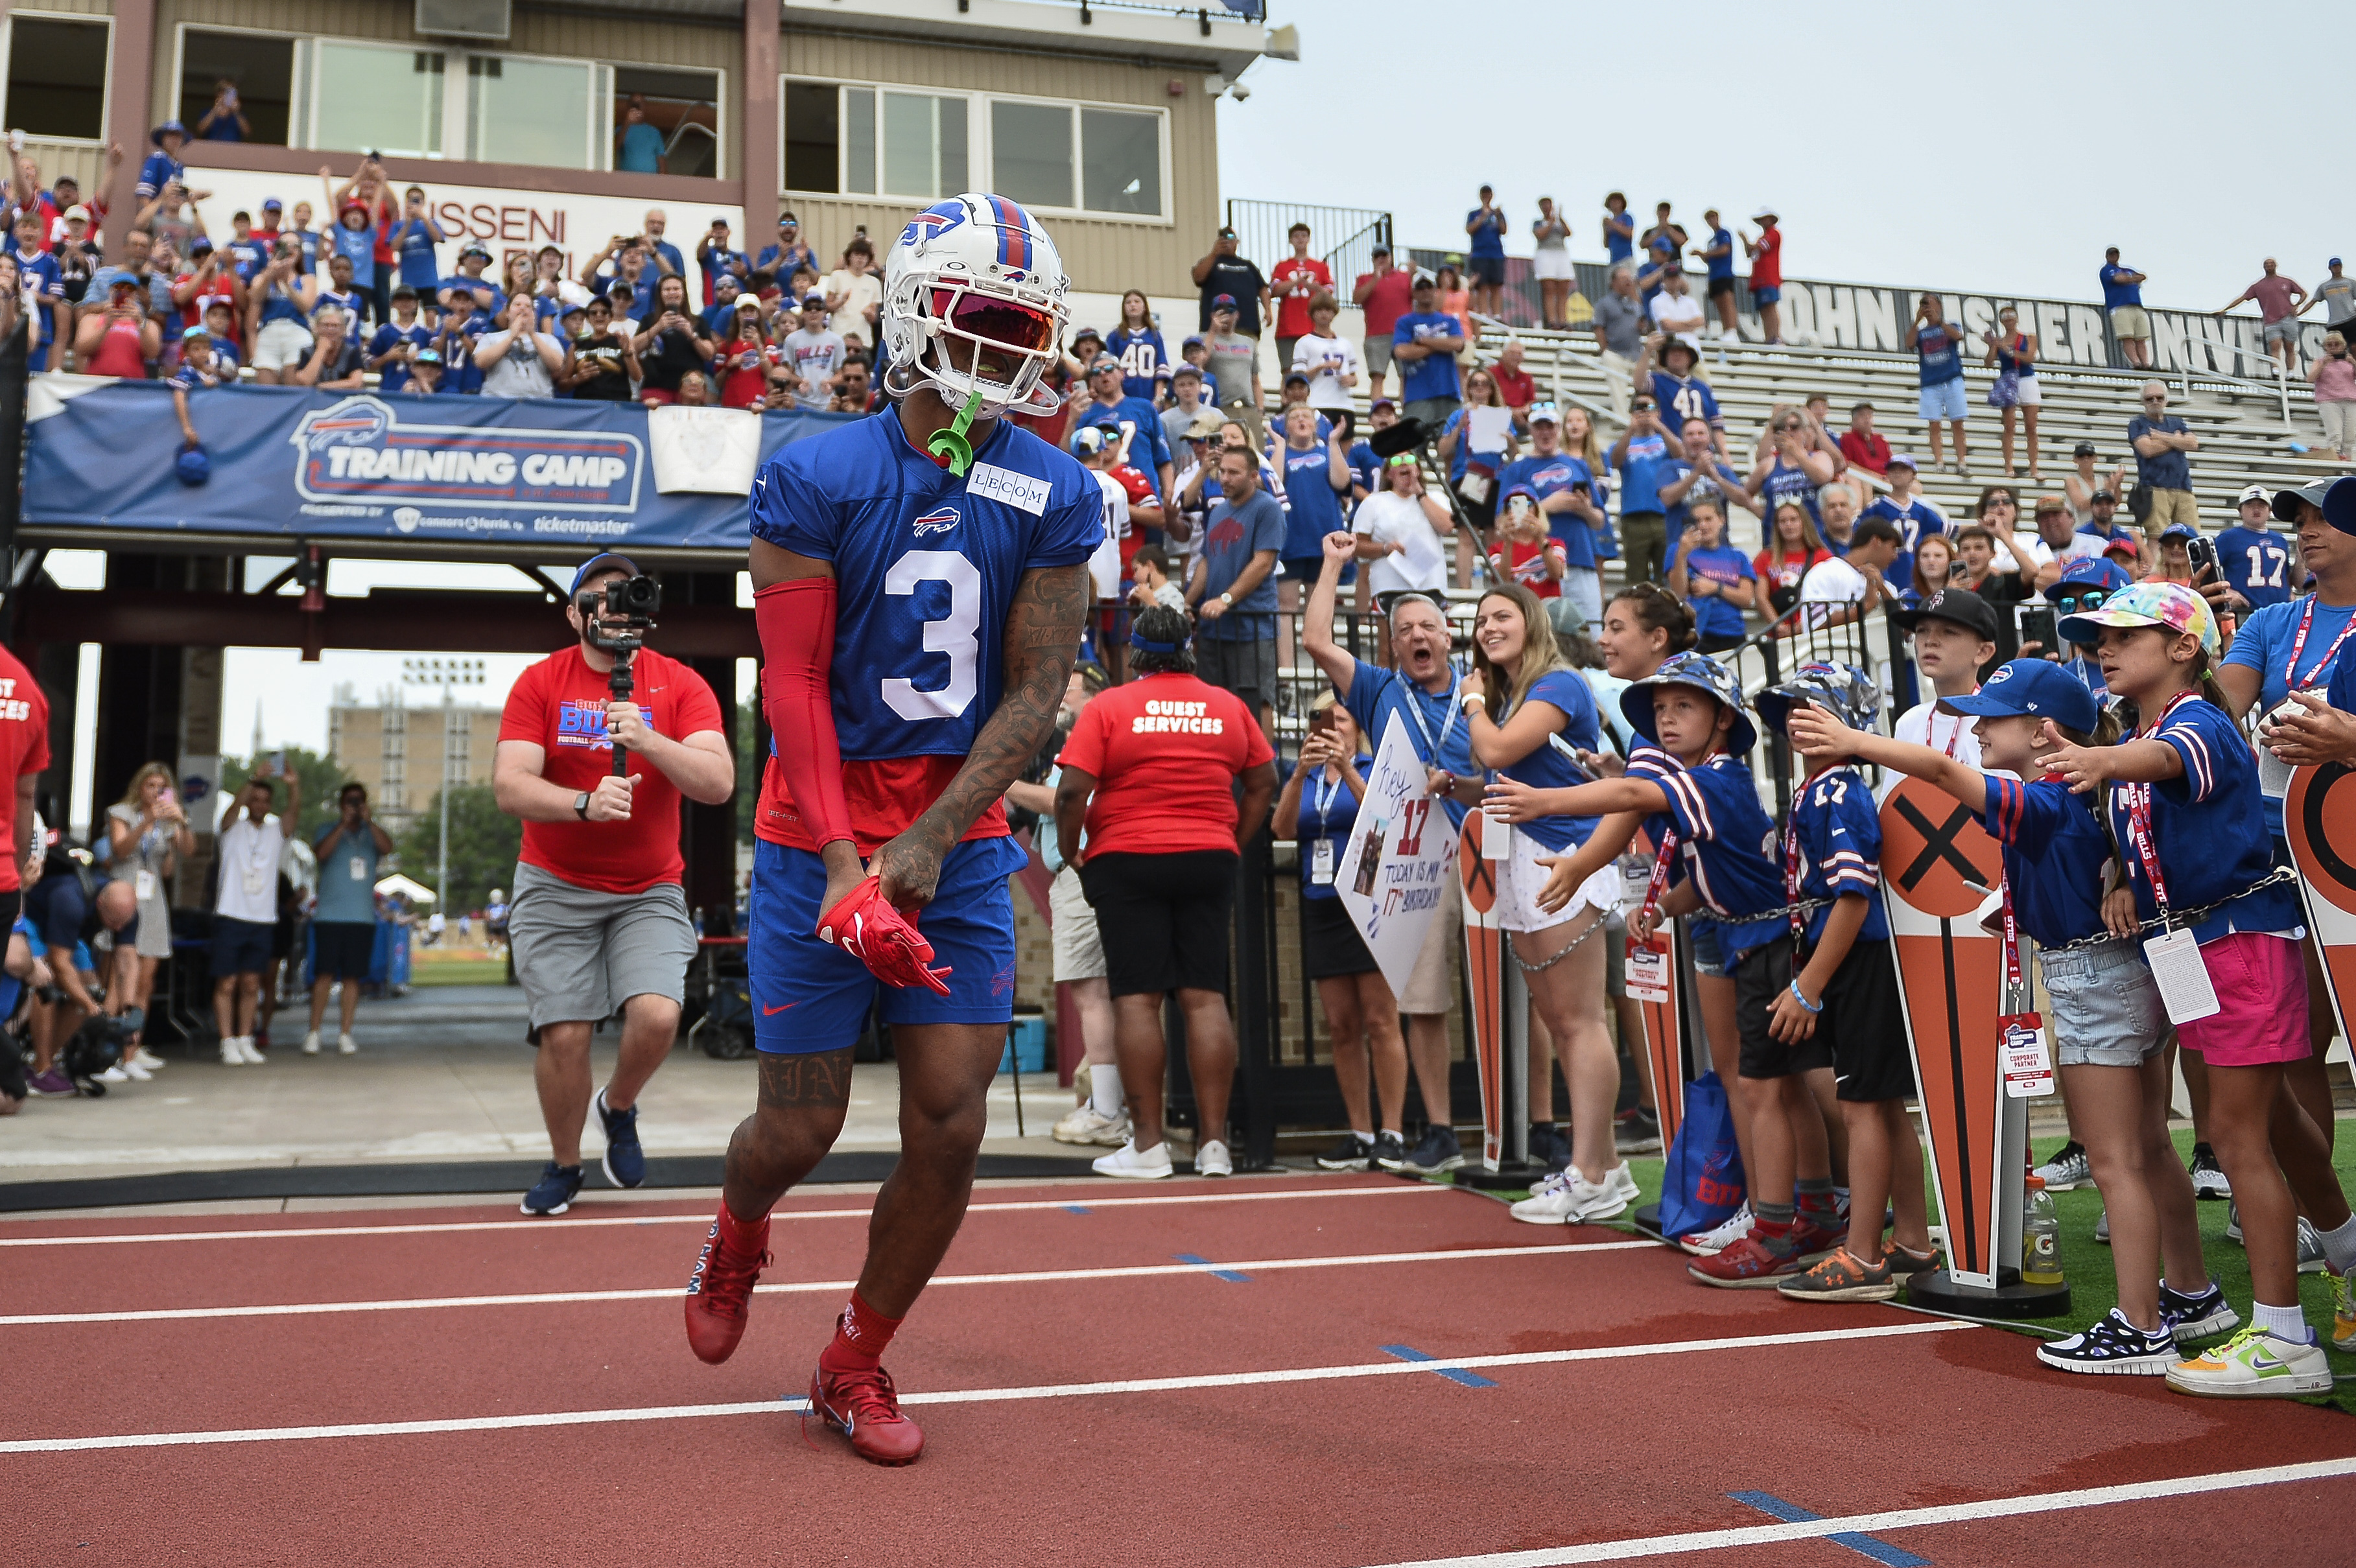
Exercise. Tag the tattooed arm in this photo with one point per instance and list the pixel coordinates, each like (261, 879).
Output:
(1043, 638)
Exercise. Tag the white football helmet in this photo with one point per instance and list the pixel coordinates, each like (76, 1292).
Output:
(975, 270)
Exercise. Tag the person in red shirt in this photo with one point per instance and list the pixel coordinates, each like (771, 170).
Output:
(1148, 776)
(599, 920)
(1384, 294)
(1298, 279)
(1766, 254)
(1527, 553)
(1793, 548)
(1864, 446)
(25, 751)
(747, 363)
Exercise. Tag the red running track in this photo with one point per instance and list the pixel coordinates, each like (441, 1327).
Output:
(1634, 1403)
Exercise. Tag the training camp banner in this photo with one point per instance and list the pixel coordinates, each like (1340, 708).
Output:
(297, 463)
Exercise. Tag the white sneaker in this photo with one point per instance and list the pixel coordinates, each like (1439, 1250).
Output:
(311, 1042)
(148, 1059)
(1568, 1198)
(129, 1068)
(1623, 1180)
(254, 1057)
(229, 1055)
(114, 1075)
(1548, 1202)
(1706, 1243)
(347, 1046)
(1127, 1163)
(1211, 1159)
(1089, 1125)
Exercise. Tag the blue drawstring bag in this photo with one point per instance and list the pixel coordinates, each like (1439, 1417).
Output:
(1703, 1185)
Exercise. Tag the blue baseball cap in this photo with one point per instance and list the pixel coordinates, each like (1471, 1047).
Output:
(605, 561)
(1224, 302)
(2099, 571)
(2180, 532)
(1699, 670)
(2037, 688)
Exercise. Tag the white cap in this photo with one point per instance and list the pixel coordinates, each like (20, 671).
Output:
(2254, 493)
(1764, 212)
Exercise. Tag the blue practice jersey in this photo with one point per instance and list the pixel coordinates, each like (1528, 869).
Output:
(1680, 399)
(1836, 835)
(2054, 853)
(2209, 828)
(1724, 841)
(926, 566)
(2256, 564)
(1546, 767)
(1144, 362)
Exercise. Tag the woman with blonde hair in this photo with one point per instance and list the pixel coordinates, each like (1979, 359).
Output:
(1480, 496)
(147, 832)
(1526, 704)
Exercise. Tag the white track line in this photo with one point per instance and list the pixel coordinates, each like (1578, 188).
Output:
(1025, 1276)
(1383, 1369)
(1899, 1519)
(559, 1226)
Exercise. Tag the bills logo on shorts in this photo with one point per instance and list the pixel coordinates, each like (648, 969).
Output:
(939, 520)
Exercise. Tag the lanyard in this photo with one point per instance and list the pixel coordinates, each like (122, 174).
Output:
(2011, 939)
(1455, 712)
(1659, 879)
(2298, 641)
(1325, 794)
(2138, 803)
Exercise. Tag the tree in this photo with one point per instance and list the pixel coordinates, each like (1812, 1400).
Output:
(321, 778)
(484, 843)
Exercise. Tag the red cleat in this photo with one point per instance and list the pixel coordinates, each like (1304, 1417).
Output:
(720, 1288)
(864, 1407)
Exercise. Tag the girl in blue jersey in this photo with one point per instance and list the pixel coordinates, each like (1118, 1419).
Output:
(2181, 798)
(1530, 714)
(1687, 788)
(1144, 358)
(2110, 1030)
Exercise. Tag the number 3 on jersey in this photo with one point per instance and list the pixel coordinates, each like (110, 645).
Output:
(954, 635)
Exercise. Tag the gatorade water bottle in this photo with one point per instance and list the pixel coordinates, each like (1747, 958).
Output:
(2040, 1237)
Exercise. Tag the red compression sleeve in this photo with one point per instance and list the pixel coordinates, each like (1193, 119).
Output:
(795, 621)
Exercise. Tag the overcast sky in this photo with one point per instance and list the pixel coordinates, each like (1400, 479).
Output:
(1997, 147)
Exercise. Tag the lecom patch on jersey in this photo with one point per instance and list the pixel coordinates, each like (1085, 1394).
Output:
(1018, 490)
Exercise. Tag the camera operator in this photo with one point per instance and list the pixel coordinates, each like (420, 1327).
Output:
(73, 915)
(599, 923)
(343, 926)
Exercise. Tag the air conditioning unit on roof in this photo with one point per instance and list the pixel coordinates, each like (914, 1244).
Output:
(465, 18)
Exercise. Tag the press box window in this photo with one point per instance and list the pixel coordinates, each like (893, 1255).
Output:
(870, 140)
(1097, 160)
(57, 78)
(362, 97)
(261, 69)
(684, 107)
(524, 110)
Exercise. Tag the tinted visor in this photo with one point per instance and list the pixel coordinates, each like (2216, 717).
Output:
(995, 320)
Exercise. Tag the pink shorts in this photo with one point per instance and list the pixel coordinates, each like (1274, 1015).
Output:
(2261, 984)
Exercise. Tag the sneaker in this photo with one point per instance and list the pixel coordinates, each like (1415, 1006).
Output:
(251, 1051)
(1840, 1276)
(2233, 1222)
(1548, 1148)
(720, 1289)
(555, 1192)
(148, 1059)
(1905, 1262)
(347, 1046)
(1568, 1197)
(2208, 1177)
(2102, 1228)
(51, 1085)
(1350, 1152)
(1814, 1238)
(231, 1054)
(2112, 1344)
(1390, 1151)
(311, 1042)
(1623, 1180)
(114, 1075)
(131, 1070)
(1089, 1125)
(1129, 1165)
(864, 1407)
(1635, 1132)
(2344, 1311)
(1434, 1153)
(2191, 1317)
(2253, 1364)
(1745, 1265)
(2310, 1248)
(1213, 1159)
(1724, 1234)
(2067, 1170)
(624, 1161)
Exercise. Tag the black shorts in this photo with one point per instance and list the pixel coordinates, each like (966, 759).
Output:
(1868, 1025)
(282, 937)
(1330, 943)
(1163, 918)
(1490, 270)
(1720, 286)
(1759, 975)
(239, 946)
(12, 903)
(342, 949)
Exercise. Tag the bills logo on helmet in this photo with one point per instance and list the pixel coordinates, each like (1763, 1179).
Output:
(939, 520)
(933, 221)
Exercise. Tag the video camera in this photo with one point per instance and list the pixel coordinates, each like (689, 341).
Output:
(634, 601)
(98, 1045)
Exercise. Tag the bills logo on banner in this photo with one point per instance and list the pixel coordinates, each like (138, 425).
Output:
(361, 450)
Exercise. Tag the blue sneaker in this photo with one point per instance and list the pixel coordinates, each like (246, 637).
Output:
(625, 1162)
(555, 1192)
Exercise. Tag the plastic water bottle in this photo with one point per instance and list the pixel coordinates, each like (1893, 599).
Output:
(2040, 1237)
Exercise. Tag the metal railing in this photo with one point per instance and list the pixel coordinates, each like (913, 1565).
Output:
(1344, 237)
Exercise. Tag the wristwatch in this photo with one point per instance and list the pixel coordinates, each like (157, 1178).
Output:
(581, 805)
(1228, 600)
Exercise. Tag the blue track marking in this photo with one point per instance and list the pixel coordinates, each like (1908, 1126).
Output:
(1230, 1276)
(1791, 1513)
(1453, 1374)
(1077, 1209)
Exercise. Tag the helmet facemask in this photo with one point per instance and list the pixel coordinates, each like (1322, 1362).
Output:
(975, 339)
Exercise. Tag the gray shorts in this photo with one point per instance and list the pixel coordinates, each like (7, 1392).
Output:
(2106, 1006)
(1245, 667)
(1378, 356)
(579, 953)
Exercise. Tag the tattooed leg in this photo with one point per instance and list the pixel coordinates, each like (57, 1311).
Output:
(945, 1075)
(803, 1102)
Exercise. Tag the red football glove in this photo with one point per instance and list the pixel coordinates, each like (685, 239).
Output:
(880, 936)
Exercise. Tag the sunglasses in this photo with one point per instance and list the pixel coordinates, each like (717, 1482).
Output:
(2081, 602)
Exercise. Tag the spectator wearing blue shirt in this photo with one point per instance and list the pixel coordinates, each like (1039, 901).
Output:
(1699, 473)
(1144, 358)
(1642, 454)
(1366, 468)
(225, 120)
(1618, 230)
(720, 316)
(1718, 256)
(665, 255)
(2254, 557)
(455, 343)
(1677, 392)
(354, 239)
(1232, 593)
(780, 260)
(245, 250)
(1937, 345)
(397, 342)
(1485, 258)
(1424, 345)
(468, 290)
(204, 364)
(640, 149)
(39, 276)
(2123, 298)
(1144, 445)
(1316, 482)
(719, 258)
(163, 166)
(412, 240)
(1565, 486)
(2163, 444)
(1712, 576)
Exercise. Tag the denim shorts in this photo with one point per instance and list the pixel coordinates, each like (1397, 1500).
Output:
(1709, 957)
(1946, 400)
(2106, 1006)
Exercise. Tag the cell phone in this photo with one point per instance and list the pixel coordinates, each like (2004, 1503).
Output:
(2036, 622)
(2201, 551)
